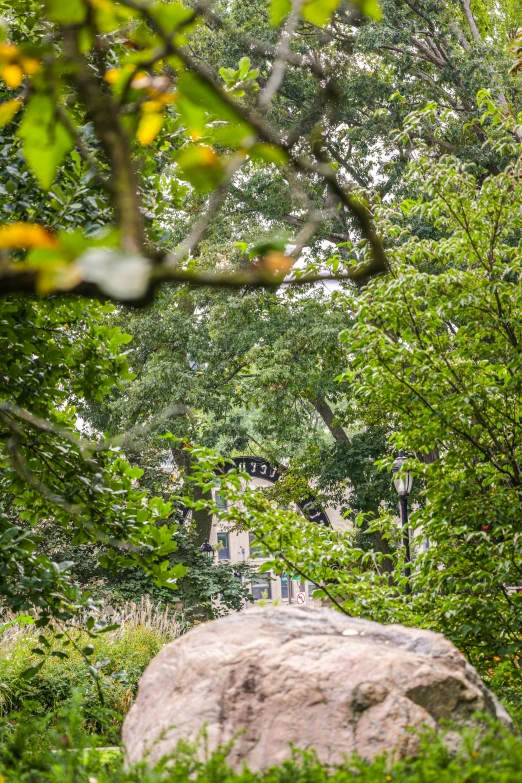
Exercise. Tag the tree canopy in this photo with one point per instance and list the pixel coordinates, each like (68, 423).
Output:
(196, 200)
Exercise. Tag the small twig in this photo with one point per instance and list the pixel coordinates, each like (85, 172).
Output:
(83, 149)
(297, 570)
(214, 203)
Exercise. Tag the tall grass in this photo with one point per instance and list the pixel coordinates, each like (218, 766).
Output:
(145, 614)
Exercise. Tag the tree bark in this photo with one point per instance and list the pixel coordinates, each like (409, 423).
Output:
(470, 20)
(326, 413)
(201, 518)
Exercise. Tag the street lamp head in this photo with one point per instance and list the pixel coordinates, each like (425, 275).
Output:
(403, 480)
(207, 549)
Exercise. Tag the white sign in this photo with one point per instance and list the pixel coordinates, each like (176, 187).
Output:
(301, 598)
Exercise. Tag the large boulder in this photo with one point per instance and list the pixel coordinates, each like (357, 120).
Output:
(311, 677)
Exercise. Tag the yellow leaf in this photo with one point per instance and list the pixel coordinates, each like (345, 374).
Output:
(12, 75)
(25, 235)
(207, 155)
(58, 276)
(149, 127)
(8, 52)
(8, 109)
(277, 262)
(167, 97)
(30, 65)
(150, 107)
(112, 75)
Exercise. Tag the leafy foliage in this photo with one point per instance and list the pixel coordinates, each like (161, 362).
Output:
(119, 85)
(32, 751)
(437, 347)
(119, 659)
(53, 354)
(434, 348)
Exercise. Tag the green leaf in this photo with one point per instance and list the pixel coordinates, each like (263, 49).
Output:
(319, 12)
(266, 246)
(23, 619)
(178, 571)
(244, 67)
(69, 12)
(268, 153)
(228, 135)
(45, 140)
(279, 10)
(64, 566)
(228, 74)
(171, 15)
(29, 673)
(107, 628)
(371, 8)
(210, 98)
(59, 654)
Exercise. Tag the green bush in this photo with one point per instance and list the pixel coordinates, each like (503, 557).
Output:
(31, 751)
(505, 680)
(120, 658)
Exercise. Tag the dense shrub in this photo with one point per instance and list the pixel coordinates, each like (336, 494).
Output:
(505, 680)
(34, 753)
(119, 658)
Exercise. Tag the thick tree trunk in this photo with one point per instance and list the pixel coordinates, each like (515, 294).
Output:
(202, 519)
(328, 416)
(326, 413)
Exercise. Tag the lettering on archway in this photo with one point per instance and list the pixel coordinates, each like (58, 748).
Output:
(260, 468)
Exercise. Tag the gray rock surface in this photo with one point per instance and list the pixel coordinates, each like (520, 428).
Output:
(312, 677)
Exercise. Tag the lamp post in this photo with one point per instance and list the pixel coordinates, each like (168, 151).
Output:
(207, 549)
(403, 481)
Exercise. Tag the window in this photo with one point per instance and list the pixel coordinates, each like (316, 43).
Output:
(255, 547)
(312, 587)
(284, 587)
(261, 588)
(223, 546)
(220, 500)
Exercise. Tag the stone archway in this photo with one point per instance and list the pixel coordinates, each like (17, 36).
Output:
(260, 468)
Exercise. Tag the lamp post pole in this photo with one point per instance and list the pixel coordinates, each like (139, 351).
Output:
(403, 503)
(403, 481)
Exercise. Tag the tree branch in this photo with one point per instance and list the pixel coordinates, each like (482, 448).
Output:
(470, 20)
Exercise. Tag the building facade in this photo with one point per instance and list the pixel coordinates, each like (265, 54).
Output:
(239, 547)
